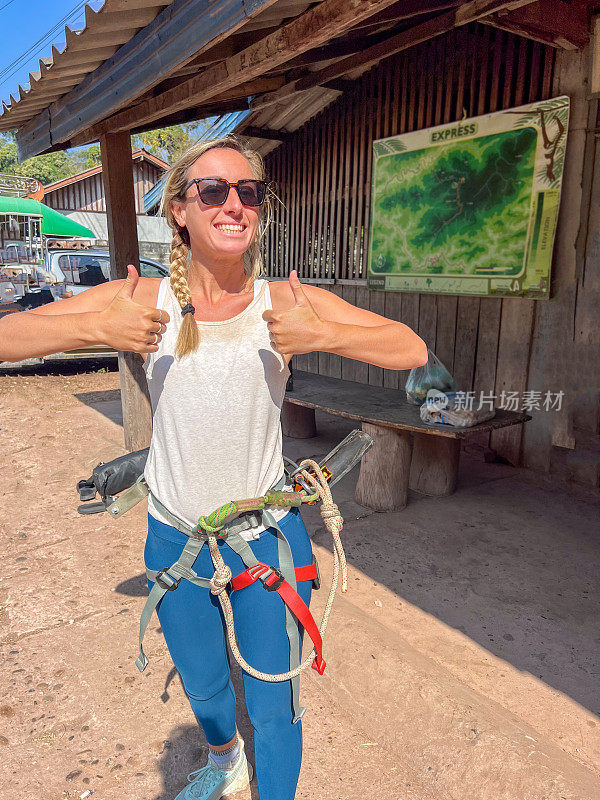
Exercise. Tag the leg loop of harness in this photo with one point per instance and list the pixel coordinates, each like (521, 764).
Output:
(282, 579)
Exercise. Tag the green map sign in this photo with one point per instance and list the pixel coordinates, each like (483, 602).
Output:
(470, 207)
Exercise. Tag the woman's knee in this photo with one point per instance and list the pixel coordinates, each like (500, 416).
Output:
(198, 688)
(270, 706)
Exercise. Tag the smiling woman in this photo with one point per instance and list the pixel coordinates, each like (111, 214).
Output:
(216, 223)
(217, 339)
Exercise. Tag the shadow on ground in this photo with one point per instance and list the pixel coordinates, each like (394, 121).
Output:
(511, 565)
(185, 750)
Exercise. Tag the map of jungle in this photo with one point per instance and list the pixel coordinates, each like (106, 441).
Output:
(471, 207)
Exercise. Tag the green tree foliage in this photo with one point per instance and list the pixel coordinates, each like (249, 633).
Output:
(169, 143)
(47, 168)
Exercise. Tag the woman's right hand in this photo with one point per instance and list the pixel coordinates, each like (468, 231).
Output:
(127, 325)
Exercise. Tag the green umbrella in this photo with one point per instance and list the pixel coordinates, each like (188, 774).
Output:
(53, 223)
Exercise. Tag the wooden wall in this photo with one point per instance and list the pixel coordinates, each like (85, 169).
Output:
(88, 194)
(322, 176)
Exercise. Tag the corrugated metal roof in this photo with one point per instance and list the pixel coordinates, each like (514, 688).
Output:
(225, 124)
(104, 32)
(46, 121)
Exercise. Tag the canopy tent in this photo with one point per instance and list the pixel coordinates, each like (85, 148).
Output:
(53, 223)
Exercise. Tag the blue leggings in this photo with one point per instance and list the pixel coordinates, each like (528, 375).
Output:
(191, 622)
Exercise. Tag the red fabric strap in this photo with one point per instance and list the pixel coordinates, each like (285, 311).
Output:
(301, 611)
(251, 575)
(292, 600)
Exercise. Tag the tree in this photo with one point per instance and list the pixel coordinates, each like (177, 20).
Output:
(169, 143)
(88, 158)
(8, 156)
(47, 168)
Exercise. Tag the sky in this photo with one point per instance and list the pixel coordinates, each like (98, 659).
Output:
(23, 23)
(28, 29)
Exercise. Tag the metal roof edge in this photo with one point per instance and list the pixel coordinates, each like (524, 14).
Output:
(176, 34)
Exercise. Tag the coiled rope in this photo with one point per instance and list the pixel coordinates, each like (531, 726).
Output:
(333, 522)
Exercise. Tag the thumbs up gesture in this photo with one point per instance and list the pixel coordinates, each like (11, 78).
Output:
(298, 329)
(127, 325)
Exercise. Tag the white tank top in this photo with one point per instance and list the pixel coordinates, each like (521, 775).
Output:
(216, 414)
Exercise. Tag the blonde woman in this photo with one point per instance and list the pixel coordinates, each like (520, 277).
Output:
(216, 340)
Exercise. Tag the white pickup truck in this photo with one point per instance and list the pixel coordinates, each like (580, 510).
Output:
(68, 272)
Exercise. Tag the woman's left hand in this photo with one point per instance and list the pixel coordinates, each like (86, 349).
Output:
(299, 330)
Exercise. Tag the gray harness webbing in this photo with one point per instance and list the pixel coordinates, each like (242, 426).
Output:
(168, 579)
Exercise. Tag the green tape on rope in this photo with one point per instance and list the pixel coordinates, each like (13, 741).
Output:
(215, 521)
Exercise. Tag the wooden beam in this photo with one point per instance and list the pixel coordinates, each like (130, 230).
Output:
(180, 32)
(117, 175)
(267, 133)
(469, 12)
(407, 10)
(316, 26)
(595, 57)
(552, 22)
(339, 85)
(234, 100)
(196, 114)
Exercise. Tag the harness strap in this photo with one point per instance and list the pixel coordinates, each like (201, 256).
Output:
(251, 575)
(286, 567)
(168, 579)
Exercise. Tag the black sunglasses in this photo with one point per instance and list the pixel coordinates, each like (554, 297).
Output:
(214, 191)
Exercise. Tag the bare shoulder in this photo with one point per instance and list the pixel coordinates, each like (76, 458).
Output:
(98, 297)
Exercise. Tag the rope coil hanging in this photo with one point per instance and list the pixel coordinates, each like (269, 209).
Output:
(333, 520)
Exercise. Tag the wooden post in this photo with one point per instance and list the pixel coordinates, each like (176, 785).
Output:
(434, 467)
(117, 174)
(384, 470)
(298, 422)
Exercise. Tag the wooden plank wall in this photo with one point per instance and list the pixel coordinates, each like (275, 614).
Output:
(323, 181)
(88, 194)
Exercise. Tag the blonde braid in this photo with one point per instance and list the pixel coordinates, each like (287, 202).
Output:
(187, 340)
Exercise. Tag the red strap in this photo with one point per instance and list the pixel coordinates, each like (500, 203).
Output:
(292, 600)
(308, 573)
(300, 610)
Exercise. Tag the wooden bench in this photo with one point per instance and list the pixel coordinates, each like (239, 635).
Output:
(407, 452)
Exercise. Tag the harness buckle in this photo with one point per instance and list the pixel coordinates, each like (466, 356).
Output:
(163, 583)
(272, 587)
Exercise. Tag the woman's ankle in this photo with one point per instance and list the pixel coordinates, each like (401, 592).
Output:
(227, 756)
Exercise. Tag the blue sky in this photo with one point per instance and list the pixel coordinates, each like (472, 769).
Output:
(24, 32)
(22, 24)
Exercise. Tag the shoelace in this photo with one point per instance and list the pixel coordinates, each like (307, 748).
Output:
(206, 777)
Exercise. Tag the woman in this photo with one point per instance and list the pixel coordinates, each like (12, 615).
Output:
(217, 341)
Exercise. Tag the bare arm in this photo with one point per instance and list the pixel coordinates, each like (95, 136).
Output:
(310, 318)
(105, 314)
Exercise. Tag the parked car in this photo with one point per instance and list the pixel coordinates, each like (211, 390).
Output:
(69, 272)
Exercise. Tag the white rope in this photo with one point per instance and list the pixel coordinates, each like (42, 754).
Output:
(333, 522)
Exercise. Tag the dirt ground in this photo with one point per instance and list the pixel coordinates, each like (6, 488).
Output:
(461, 664)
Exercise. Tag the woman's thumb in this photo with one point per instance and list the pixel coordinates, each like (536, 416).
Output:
(130, 282)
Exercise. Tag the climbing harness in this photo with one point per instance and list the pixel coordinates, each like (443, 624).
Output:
(311, 482)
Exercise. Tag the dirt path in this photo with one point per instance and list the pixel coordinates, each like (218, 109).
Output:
(75, 714)
(462, 664)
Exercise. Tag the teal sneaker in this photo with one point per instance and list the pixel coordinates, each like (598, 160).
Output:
(212, 783)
